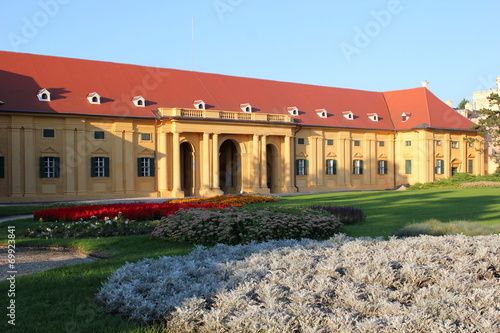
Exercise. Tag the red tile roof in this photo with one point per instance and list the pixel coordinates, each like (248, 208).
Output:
(71, 80)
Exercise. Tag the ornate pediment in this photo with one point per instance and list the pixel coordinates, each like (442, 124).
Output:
(408, 156)
(48, 150)
(358, 155)
(301, 155)
(439, 155)
(331, 154)
(382, 156)
(99, 151)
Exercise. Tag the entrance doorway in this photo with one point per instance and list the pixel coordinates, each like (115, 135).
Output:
(187, 169)
(229, 167)
(271, 162)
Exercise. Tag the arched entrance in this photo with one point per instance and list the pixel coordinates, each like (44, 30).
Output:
(271, 169)
(455, 166)
(187, 169)
(229, 167)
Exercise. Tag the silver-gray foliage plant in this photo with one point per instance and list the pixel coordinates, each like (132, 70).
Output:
(422, 284)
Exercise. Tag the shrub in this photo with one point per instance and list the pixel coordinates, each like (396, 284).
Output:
(456, 180)
(92, 228)
(438, 228)
(481, 184)
(347, 215)
(133, 211)
(228, 200)
(239, 225)
(422, 284)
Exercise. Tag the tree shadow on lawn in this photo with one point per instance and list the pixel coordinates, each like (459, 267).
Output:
(387, 212)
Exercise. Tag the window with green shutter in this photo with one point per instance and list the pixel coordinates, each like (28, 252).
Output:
(470, 166)
(145, 167)
(331, 167)
(49, 167)
(99, 166)
(301, 167)
(382, 167)
(439, 167)
(408, 167)
(357, 167)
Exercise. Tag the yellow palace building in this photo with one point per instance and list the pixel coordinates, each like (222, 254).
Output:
(80, 129)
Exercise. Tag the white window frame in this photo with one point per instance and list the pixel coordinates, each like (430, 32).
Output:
(49, 167)
(99, 167)
(145, 167)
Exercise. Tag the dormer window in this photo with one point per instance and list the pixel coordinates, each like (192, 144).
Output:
(139, 101)
(321, 112)
(348, 115)
(199, 104)
(373, 116)
(94, 98)
(246, 107)
(293, 110)
(405, 116)
(44, 95)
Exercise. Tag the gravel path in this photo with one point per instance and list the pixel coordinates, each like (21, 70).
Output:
(34, 260)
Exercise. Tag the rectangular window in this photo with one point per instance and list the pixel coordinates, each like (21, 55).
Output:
(357, 168)
(408, 167)
(408, 143)
(357, 143)
(382, 167)
(454, 144)
(145, 167)
(331, 167)
(301, 141)
(329, 142)
(99, 167)
(471, 143)
(2, 167)
(99, 135)
(470, 166)
(381, 143)
(438, 142)
(49, 133)
(49, 167)
(439, 167)
(146, 136)
(301, 166)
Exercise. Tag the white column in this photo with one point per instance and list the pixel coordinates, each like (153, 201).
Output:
(206, 162)
(263, 164)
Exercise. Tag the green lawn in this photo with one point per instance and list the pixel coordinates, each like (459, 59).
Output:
(19, 210)
(62, 300)
(388, 211)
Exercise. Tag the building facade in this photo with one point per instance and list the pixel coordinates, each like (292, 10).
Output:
(78, 129)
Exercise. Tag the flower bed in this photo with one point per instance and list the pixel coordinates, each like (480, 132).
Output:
(228, 200)
(133, 211)
(240, 225)
(423, 284)
(92, 228)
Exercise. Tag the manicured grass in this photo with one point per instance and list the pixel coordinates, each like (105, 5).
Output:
(62, 300)
(19, 210)
(389, 211)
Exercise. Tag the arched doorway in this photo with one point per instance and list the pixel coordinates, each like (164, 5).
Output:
(229, 167)
(187, 169)
(455, 166)
(271, 163)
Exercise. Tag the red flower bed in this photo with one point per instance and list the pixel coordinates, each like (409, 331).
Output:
(134, 211)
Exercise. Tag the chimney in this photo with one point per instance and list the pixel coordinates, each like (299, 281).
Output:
(425, 84)
(449, 103)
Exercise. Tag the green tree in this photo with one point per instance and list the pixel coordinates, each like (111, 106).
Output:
(462, 103)
(489, 125)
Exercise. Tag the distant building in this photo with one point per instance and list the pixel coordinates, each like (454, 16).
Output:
(480, 98)
(79, 129)
(480, 101)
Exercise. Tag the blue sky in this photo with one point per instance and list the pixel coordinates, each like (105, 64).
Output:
(376, 45)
